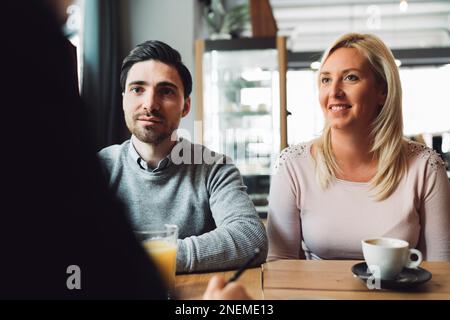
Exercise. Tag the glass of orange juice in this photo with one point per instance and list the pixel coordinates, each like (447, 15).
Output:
(161, 244)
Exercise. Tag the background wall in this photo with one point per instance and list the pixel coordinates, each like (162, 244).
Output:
(176, 22)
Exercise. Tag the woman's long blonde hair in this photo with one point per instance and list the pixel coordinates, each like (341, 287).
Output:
(388, 145)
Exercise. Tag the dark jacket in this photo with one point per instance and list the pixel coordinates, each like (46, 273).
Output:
(55, 208)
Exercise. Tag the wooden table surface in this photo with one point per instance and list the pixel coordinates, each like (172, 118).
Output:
(192, 286)
(325, 279)
(333, 279)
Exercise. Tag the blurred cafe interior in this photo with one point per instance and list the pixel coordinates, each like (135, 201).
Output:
(255, 68)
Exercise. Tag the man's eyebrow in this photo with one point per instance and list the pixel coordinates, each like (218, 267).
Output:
(145, 83)
(138, 82)
(160, 84)
(343, 71)
(167, 84)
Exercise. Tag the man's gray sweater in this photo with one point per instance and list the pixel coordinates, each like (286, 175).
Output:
(205, 197)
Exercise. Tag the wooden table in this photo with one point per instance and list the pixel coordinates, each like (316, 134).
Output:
(333, 279)
(326, 279)
(192, 286)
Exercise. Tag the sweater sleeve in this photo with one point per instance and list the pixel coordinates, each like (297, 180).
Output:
(435, 212)
(239, 229)
(283, 224)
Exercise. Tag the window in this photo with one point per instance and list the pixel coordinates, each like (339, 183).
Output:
(306, 119)
(73, 30)
(426, 108)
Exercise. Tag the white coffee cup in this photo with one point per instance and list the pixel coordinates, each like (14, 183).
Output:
(386, 257)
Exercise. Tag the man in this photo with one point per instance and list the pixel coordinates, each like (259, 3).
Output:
(162, 179)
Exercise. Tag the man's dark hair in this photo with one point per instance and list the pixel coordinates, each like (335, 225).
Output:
(160, 51)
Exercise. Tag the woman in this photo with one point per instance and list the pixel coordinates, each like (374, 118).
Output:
(361, 178)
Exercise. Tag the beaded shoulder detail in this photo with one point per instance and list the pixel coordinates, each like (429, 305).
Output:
(298, 150)
(434, 159)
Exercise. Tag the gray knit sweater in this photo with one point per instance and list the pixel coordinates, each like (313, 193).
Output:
(218, 225)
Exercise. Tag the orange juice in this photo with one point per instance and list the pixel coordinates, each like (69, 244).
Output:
(164, 255)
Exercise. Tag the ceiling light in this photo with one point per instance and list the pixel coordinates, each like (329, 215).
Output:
(403, 5)
(315, 65)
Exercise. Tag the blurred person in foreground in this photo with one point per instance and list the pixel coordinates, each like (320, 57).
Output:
(57, 214)
(361, 178)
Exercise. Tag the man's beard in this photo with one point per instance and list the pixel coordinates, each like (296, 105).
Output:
(149, 135)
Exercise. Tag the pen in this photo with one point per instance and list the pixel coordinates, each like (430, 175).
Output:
(238, 273)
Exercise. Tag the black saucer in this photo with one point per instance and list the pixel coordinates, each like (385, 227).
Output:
(408, 278)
